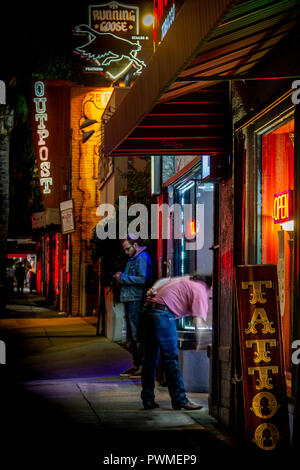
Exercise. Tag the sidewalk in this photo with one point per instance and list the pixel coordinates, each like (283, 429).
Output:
(63, 399)
(30, 304)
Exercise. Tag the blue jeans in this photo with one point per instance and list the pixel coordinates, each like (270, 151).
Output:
(160, 334)
(133, 326)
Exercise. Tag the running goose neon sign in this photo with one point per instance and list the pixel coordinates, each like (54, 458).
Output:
(113, 40)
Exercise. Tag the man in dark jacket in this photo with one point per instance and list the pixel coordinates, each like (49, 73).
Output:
(135, 281)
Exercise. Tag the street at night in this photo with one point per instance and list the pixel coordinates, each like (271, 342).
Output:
(63, 402)
(149, 233)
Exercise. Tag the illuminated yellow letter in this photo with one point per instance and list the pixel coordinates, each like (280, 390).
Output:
(257, 296)
(260, 316)
(270, 406)
(264, 381)
(261, 355)
(261, 440)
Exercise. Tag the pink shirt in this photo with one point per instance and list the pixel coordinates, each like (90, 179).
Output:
(183, 297)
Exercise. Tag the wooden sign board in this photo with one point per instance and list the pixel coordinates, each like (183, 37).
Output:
(265, 399)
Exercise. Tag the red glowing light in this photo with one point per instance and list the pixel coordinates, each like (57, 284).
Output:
(191, 228)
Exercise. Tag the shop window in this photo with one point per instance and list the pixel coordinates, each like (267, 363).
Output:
(277, 238)
(197, 260)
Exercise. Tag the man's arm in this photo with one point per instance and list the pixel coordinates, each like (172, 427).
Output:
(198, 323)
(142, 273)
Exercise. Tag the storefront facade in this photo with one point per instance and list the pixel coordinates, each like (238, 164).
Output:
(234, 38)
(269, 144)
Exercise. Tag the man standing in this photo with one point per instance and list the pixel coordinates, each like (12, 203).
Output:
(135, 281)
(173, 299)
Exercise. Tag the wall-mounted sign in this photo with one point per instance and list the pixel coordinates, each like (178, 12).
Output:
(67, 216)
(41, 117)
(50, 102)
(115, 39)
(164, 12)
(265, 400)
(282, 208)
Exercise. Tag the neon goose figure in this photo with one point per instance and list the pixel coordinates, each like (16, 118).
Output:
(108, 48)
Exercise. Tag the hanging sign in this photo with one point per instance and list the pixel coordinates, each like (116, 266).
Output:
(265, 399)
(41, 117)
(50, 124)
(115, 40)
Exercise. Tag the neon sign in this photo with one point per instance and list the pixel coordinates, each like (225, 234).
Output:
(164, 16)
(113, 40)
(191, 228)
(282, 207)
(40, 102)
(168, 21)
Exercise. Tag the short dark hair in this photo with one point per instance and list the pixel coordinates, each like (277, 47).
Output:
(202, 277)
(132, 239)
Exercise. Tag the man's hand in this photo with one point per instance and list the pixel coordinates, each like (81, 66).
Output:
(151, 292)
(117, 276)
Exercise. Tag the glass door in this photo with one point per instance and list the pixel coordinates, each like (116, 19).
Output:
(200, 224)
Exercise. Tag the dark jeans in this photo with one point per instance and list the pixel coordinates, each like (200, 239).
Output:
(20, 285)
(160, 334)
(134, 333)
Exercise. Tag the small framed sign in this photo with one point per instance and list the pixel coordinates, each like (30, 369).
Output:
(67, 216)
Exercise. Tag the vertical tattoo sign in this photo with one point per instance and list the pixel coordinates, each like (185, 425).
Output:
(265, 400)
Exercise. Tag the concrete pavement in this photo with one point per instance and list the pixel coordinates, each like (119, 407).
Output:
(62, 401)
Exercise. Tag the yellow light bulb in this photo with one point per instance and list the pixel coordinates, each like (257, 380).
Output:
(148, 20)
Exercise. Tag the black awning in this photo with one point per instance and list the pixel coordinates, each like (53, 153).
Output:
(196, 123)
(209, 41)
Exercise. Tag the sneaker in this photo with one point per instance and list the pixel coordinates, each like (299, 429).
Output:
(188, 406)
(151, 406)
(128, 372)
(137, 374)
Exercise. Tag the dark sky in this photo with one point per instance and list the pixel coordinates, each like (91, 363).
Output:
(29, 27)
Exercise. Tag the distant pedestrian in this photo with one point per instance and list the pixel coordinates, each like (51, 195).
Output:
(20, 277)
(168, 300)
(134, 281)
(10, 280)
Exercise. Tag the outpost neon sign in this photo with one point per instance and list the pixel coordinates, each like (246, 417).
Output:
(40, 102)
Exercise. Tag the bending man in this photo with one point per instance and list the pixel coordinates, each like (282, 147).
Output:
(171, 300)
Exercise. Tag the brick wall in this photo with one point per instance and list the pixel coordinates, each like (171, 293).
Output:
(86, 103)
